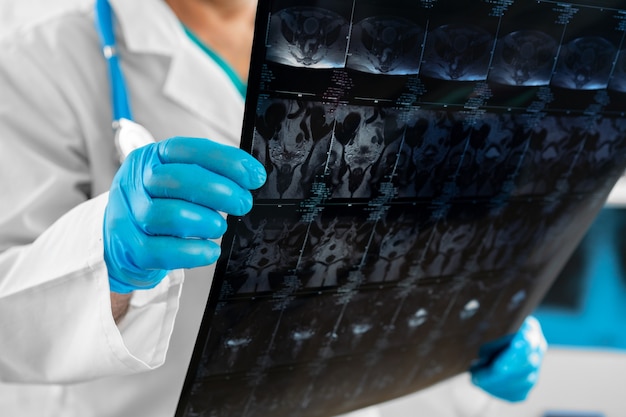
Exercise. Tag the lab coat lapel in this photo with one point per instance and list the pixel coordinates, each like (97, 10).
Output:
(198, 83)
(193, 80)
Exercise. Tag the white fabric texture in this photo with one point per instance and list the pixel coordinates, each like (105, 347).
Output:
(62, 354)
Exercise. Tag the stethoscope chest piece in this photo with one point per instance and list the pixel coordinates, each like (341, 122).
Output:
(129, 136)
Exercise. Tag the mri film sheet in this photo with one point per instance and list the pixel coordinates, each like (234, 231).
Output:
(431, 167)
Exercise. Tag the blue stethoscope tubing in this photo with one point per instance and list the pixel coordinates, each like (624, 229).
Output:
(128, 134)
(119, 93)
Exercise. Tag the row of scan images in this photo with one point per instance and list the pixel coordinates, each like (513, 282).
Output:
(319, 327)
(343, 246)
(314, 37)
(342, 151)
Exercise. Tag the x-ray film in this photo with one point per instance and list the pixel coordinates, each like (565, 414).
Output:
(431, 166)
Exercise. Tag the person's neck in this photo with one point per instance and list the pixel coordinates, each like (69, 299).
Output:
(225, 26)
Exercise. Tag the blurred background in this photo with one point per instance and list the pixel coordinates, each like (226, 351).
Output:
(583, 315)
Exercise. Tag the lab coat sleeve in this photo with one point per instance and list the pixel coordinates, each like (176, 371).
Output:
(55, 314)
(56, 324)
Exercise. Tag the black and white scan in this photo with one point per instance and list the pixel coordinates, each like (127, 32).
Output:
(524, 57)
(617, 81)
(585, 63)
(309, 37)
(385, 45)
(459, 52)
(431, 167)
(292, 138)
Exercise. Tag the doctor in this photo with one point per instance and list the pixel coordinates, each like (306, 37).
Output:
(90, 252)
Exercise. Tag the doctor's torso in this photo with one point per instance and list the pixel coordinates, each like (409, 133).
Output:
(175, 90)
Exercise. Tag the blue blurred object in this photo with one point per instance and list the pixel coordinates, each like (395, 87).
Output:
(586, 306)
(512, 370)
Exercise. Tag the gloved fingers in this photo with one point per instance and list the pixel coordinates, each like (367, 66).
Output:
(515, 370)
(197, 185)
(494, 378)
(168, 253)
(163, 208)
(178, 218)
(514, 356)
(519, 356)
(526, 349)
(227, 161)
(531, 332)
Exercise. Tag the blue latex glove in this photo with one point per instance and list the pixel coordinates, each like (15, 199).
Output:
(164, 206)
(514, 371)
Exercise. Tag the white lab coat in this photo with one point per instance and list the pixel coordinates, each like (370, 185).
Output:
(61, 354)
(57, 157)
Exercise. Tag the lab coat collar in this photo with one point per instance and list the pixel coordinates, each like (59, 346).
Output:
(193, 80)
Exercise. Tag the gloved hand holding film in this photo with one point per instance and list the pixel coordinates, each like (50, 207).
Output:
(514, 370)
(164, 204)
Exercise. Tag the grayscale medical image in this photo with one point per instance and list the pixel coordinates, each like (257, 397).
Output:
(618, 78)
(429, 175)
(292, 138)
(524, 57)
(588, 53)
(363, 137)
(459, 52)
(310, 37)
(385, 45)
(568, 155)
(585, 63)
